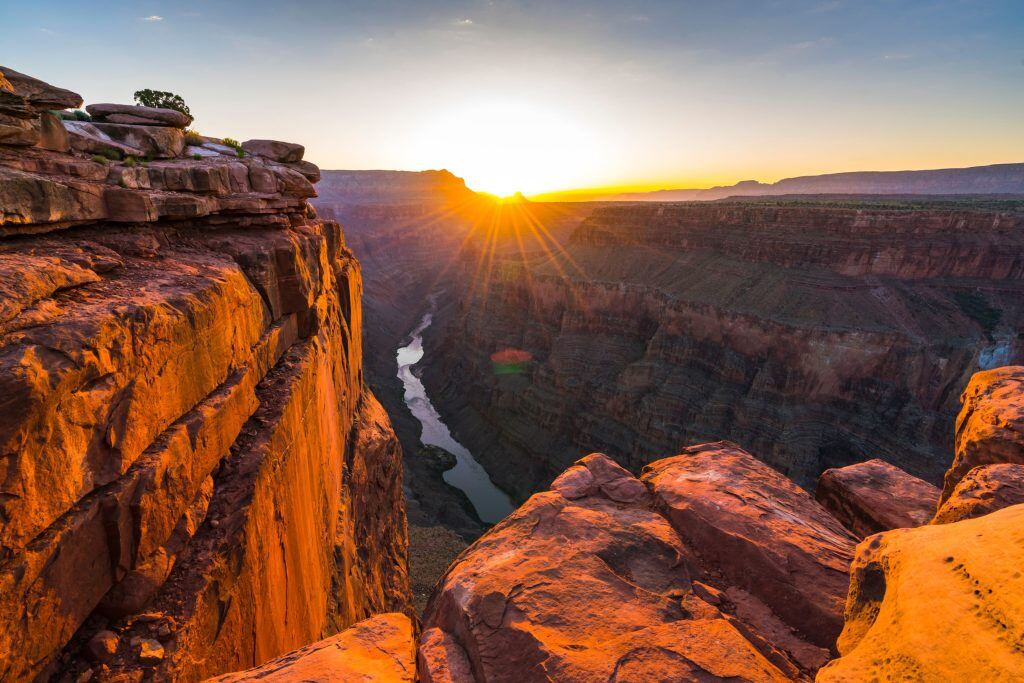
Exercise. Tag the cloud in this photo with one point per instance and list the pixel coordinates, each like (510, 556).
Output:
(153, 17)
(464, 22)
(825, 41)
(47, 31)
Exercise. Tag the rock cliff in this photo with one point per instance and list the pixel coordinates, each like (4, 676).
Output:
(193, 476)
(813, 336)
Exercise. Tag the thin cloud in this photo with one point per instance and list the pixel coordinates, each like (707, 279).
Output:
(464, 22)
(48, 32)
(153, 17)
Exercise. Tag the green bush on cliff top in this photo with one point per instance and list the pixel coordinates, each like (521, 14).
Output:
(161, 99)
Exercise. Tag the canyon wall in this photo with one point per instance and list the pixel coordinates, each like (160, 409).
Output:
(813, 336)
(194, 476)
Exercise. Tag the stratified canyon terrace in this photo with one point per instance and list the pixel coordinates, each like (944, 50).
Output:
(813, 334)
(193, 476)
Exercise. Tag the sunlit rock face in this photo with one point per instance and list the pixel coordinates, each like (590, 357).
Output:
(381, 649)
(710, 566)
(193, 477)
(874, 496)
(814, 336)
(990, 426)
(939, 602)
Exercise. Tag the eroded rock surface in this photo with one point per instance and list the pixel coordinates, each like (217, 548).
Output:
(381, 649)
(936, 603)
(193, 477)
(875, 496)
(984, 489)
(607, 577)
(990, 426)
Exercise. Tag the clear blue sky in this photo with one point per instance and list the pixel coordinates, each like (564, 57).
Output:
(552, 95)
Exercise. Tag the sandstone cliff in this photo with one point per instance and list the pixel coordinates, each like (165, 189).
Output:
(194, 477)
(813, 336)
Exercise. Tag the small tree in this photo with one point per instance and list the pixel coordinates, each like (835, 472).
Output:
(161, 99)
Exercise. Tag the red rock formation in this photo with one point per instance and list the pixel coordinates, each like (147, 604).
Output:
(782, 557)
(990, 426)
(936, 603)
(875, 496)
(606, 577)
(983, 490)
(379, 650)
(191, 469)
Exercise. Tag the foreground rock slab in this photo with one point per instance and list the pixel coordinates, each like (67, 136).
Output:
(936, 603)
(875, 496)
(381, 649)
(779, 553)
(607, 577)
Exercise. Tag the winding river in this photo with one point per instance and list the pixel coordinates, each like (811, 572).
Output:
(491, 503)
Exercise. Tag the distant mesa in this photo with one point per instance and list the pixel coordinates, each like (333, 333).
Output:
(985, 180)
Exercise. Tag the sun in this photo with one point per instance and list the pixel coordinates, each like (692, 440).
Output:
(507, 146)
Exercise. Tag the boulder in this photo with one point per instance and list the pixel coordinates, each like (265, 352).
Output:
(41, 95)
(380, 649)
(595, 580)
(18, 132)
(16, 106)
(990, 426)
(156, 141)
(875, 496)
(936, 603)
(84, 136)
(763, 535)
(284, 152)
(29, 198)
(310, 170)
(985, 489)
(52, 133)
(135, 115)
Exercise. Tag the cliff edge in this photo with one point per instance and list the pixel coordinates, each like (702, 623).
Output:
(193, 476)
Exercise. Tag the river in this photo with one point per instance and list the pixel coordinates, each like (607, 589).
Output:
(468, 475)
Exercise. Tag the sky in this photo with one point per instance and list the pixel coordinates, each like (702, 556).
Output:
(521, 95)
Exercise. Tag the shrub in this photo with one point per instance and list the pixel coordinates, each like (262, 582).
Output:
(130, 161)
(111, 154)
(161, 99)
(76, 115)
(236, 145)
(197, 157)
(193, 138)
(99, 158)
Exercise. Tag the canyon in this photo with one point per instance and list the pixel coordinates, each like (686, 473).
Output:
(813, 335)
(764, 441)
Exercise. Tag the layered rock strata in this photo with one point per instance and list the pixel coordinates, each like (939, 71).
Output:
(194, 477)
(875, 496)
(712, 566)
(814, 336)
